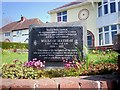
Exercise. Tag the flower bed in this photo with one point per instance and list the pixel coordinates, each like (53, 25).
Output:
(21, 71)
(104, 62)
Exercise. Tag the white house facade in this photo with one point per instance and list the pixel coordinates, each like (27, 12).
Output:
(18, 31)
(102, 19)
(108, 21)
(21, 35)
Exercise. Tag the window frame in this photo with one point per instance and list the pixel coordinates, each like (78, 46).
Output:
(105, 4)
(110, 32)
(104, 34)
(112, 7)
(7, 34)
(114, 30)
(100, 40)
(100, 13)
(61, 16)
(106, 7)
(118, 6)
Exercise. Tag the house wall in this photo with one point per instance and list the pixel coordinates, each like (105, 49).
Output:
(21, 36)
(93, 23)
(53, 17)
(1, 36)
(107, 20)
(6, 38)
(72, 15)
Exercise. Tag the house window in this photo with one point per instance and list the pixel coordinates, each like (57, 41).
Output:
(99, 9)
(106, 9)
(62, 16)
(113, 31)
(100, 36)
(90, 39)
(7, 34)
(112, 7)
(112, 0)
(106, 31)
(119, 26)
(105, 5)
(107, 34)
(25, 34)
(105, 1)
(119, 6)
(113, 27)
(18, 32)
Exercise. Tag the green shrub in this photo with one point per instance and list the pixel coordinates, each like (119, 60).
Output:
(17, 70)
(13, 45)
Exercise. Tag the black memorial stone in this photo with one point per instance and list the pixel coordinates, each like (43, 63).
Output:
(52, 44)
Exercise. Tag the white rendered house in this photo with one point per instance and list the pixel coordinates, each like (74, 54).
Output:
(102, 19)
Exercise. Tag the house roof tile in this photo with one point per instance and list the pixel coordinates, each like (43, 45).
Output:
(69, 4)
(20, 25)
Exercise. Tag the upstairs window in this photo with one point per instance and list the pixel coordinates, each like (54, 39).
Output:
(99, 9)
(112, 7)
(105, 2)
(119, 6)
(106, 9)
(19, 32)
(62, 16)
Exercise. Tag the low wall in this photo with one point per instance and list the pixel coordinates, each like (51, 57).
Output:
(98, 82)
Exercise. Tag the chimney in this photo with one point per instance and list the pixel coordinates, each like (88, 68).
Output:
(23, 18)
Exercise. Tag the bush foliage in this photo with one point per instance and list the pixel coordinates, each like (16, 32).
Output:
(19, 71)
(11, 45)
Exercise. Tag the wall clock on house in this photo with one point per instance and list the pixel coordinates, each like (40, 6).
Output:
(83, 14)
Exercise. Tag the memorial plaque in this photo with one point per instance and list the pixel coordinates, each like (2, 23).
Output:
(52, 44)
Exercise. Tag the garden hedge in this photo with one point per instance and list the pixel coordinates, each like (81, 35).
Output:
(13, 45)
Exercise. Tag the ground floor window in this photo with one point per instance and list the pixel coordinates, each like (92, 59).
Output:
(90, 39)
(7, 34)
(100, 36)
(107, 34)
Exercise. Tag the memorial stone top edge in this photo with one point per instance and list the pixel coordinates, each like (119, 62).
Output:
(59, 24)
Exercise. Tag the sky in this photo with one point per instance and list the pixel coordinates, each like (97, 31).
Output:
(12, 11)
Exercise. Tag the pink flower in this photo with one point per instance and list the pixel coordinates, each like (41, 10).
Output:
(44, 62)
(41, 64)
(36, 64)
(25, 63)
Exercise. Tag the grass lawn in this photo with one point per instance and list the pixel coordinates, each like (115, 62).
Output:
(8, 56)
(110, 57)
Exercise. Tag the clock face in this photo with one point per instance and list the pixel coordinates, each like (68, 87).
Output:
(83, 14)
